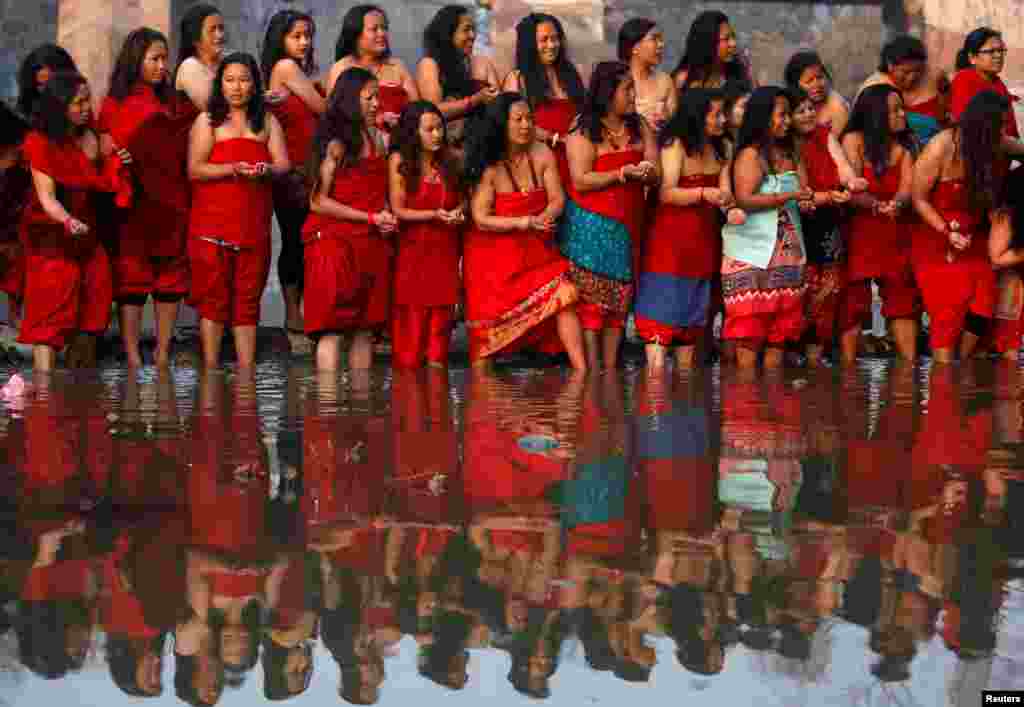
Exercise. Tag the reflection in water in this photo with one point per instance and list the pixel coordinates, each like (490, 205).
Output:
(848, 538)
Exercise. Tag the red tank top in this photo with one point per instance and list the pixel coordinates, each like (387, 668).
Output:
(363, 187)
(298, 121)
(234, 210)
(685, 241)
(427, 262)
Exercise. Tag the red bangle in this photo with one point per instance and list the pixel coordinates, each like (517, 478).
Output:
(371, 219)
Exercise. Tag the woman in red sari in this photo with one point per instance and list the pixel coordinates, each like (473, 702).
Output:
(68, 286)
(517, 286)
(150, 258)
(955, 183)
(549, 80)
(235, 148)
(978, 65)
(347, 236)
(807, 72)
(426, 197)
(364, 43)
(881, 148)
(613, 157)
(288, 65)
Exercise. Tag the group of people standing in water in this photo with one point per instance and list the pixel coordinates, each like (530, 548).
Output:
(547, 209)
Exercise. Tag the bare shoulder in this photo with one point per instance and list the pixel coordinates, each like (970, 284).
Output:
(481, 66)
(395, 160)
(542, 154)
(335, 150)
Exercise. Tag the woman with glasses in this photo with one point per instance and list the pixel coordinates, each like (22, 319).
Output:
(978, 64)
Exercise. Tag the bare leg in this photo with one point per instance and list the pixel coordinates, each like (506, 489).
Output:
(360, 353)
(211, 335)
(571, 336)
(746, 358)
(686, 355)
(130, 319)
(611, 340)
(814, 355)
(849, 343)
(904, 332)
(166, 316)
(968, 342)
(245, 345)
(655, 354)
(44, 357)
(590, 347)
(328, 352)
(292, 307)
(774, 356)
(942, 355)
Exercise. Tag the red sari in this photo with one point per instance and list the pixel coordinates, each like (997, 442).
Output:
(952, 290)
(68, 283)
(878, 250)
(427, 285)
(348, 263)
(150, 257)
(392, 100)
(229, 238)
(555, 115)
(516, 281)
(967, 83)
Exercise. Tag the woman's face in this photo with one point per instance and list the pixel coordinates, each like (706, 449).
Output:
(549, 43)
(369, 102)
(805, 117)
(234, 645)
(520, 124)
(624, 98)
(906, 74)
(431, 132)
(237, 85)
(296, 665)
(374, 39)
(726, 43)
(80, 107)
(714, 121)
(651, 48)
(780, 118)
(298, 41)
(212, 37)
(147, 673)
(739, 109)
(464, 35)
(990, 57)
(154, 64)
(897, 116)
(814, 81)
(206, 680)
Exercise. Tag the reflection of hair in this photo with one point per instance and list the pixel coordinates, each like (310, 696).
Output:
(537, 86)
(980, 136)
(255, 110)
(275, 682)
(128, 68)
(525, 645)
(605, 81)
(42, 630)
(453, 69)
(405, 140)
(901, 49)
(185, 669)
(451, 632)
(352, 28)
(801, 62)
(870, 118)
(51, 112)
(701, 52)
(597, 648)
(45, 56)
(685, 619)
(973, 43)
(123, 659)
(863, 596)
(281, 24)
(689, 123)
(343, 121)
(252, 622)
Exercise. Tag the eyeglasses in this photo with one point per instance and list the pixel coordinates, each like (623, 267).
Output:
(1000, 51)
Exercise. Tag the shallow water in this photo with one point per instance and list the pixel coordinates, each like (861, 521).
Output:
(817, 537)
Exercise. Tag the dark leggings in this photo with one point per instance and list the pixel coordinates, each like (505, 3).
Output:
(291, 215)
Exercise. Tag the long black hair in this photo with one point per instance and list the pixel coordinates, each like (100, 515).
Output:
(275, 657)
(42, 630)
(487, 142)
(45, 56)
(123, 657)
(688, 123)
(535, 79)
(973, 43)
(255, 111)
(405, 140)
(870, 118)
(632, 33)
(128, 68)
(701, 51)
(901, 49)
(801, 62)
(191, 31)
(757, 122)
(453, 69)
(343, 121)
(604, 82)
(980, 135)
(51, 109)
(12, 127)
(451, 635)
(352, 28)
(273, 42)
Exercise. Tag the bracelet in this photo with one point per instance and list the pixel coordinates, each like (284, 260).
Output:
(622, 174)
(371, 219)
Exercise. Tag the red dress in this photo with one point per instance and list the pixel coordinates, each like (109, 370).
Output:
(229, 238)
(427, 284)
(951, 290)
(967, 83)
(348, 263)
(68, 283)
(516, 281)
(150, 257)
(680, 257)
(392, 100)
(298, 122)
